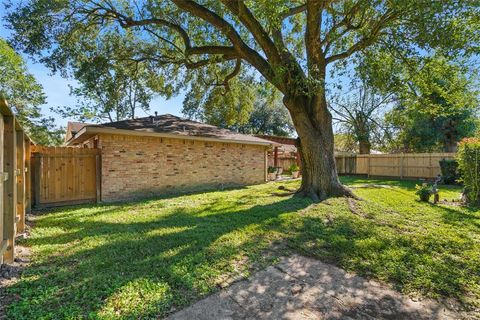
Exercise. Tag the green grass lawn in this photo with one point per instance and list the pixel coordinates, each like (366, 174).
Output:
(144, 259)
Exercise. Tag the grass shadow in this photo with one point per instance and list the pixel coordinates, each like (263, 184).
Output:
(148, 258)
(170, 259)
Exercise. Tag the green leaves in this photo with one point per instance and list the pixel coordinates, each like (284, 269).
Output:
(246, 106)
(468, 158)
(25, 95)
(181, 46)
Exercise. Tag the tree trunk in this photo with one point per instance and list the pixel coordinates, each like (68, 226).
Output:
(450, 146)
(313, 123)
(364, 146)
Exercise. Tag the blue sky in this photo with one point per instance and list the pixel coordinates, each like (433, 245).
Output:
(57, 90)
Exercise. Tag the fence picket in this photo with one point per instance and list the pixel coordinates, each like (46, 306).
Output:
(404, 165)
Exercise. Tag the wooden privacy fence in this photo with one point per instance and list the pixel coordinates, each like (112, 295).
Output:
(63, 175)
(14, 181)
(401, 165)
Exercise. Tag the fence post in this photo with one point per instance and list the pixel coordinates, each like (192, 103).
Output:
(98, 176)
(36, 173)
(275, 156)
(368, 166)
(9, 190)
(402, 159)
(430, 171)
(20, 181)
(355, 159)
(28, 177)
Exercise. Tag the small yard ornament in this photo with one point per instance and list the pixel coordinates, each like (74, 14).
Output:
(436, 196)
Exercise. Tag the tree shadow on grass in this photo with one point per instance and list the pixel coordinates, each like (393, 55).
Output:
(460, 216)
(141, 269)
(101, 266)
(425, 264)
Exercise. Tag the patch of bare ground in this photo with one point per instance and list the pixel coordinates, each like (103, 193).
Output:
(303, 288)
(10, 273)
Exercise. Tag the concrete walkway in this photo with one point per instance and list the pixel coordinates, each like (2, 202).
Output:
(304, 288)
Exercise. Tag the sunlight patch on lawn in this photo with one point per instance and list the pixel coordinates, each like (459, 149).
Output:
(144, 258)
(138, 298)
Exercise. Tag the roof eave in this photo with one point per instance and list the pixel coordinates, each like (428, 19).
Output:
(89, 131)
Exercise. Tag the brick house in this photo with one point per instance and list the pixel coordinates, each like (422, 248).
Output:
(164, 154)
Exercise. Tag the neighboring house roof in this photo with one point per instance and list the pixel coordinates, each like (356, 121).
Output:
(166, 125)
(279, 139)
(73, 128)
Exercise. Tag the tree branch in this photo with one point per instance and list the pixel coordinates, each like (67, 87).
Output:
(293, 11)
(345, 22)
(244, 51)
(365, 41)
(230, 51)
(230, 76)
(315, 57)
(239, 9)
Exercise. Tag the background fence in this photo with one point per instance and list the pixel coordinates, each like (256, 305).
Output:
(14, 181)
(282, 161)
(65, 175)
(402, 165)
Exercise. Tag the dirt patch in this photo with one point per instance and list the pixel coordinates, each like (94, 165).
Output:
(451, 203)
(10, 273)
(303, 288)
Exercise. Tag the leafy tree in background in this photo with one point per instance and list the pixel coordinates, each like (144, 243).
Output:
(112, 85)
(269, 115)
(344, 142)
(217, 105)
(360, 115)
(246, 107)
(24, 96)
(436, 107)
(290, 44)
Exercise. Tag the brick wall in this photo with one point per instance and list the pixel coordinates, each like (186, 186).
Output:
(136, 166)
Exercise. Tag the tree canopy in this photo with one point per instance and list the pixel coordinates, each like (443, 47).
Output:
(359, 112)
(25, 95)
(436, 105)
(247, 107)
(112, 87)
(290, 44)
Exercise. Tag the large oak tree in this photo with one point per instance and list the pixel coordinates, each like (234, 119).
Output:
(291, 44)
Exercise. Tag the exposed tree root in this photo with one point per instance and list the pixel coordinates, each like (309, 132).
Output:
(352, 205)
(341, 191)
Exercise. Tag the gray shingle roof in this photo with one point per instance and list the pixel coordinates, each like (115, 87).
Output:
(170, 124)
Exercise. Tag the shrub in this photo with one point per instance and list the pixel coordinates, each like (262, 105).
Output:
(468, 157)
(449, 168)
(293, 168)
(424, 191)
(272, 170)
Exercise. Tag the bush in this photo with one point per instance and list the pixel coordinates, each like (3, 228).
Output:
(272, 170)
(424, 191)
(468, 157)
(293, 168)
(449, 168)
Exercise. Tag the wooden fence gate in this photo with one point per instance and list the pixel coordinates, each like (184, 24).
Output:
(62, 175)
